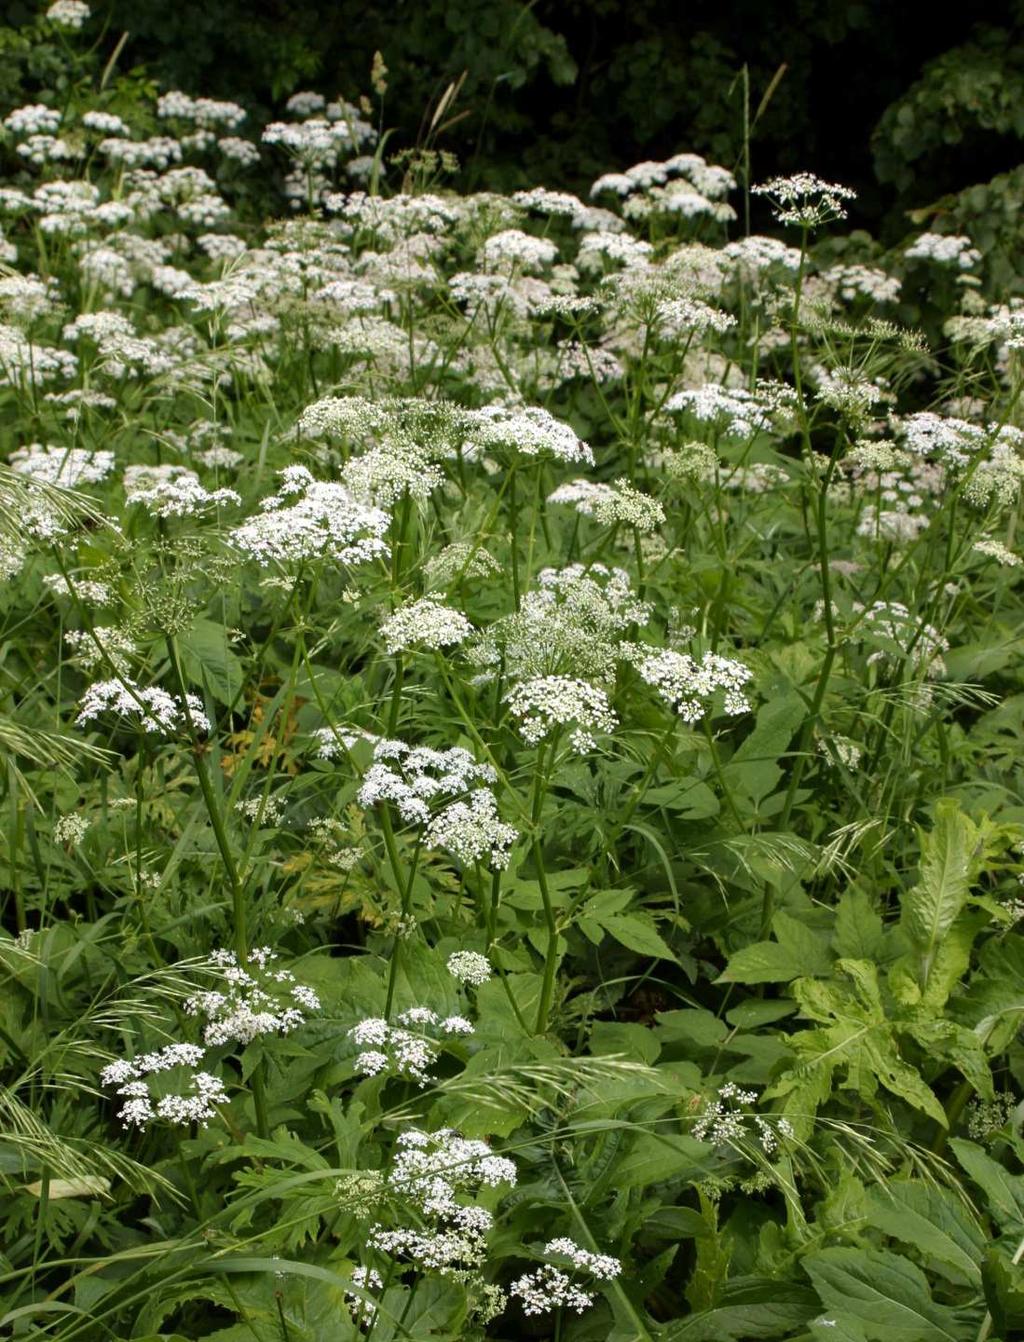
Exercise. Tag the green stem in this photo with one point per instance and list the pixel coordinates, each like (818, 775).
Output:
(213, 810)
(405, 890)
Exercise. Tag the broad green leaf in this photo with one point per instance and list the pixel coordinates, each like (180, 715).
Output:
(754, 770)
(636, 931)
(749, 1307)
(884, 1292)
(1004, 1192)
(208, 662)
(1004, 1290)
(935, 1222)
(798, 950)
(858, 933)
(656, 1158)
(929, 910)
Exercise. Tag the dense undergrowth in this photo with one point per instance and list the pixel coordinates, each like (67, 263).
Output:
(512, 818)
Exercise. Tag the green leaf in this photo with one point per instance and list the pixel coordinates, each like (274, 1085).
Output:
(858, 933)
(636, 931)
(1004, 1192)
(798, 951)
(1004, 1290)
(935, 1222)
(655, 1158)
(749, 1307)
(208, 662)
(884, 1292)
(948, 863)
(754, 770)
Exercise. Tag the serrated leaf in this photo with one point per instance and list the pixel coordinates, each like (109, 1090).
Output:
(858, 933)
(636, 931)
(929, 910)
(798, 950)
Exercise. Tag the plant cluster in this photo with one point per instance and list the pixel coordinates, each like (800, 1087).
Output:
(512, 709)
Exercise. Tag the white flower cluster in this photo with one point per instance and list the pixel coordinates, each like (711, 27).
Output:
(366, 1280)
(993, 549)
(946, 249)
(324, 521)
(205, 112)
(473, 831)
(571, 623)
(155, 709)
(424, 623)
(549, 1287)
(738, 412)
(546, 704)
(805, 200)
(611, 503)
(412, 777)
(855, 281)
(530, 430)
(173, 491)
(681, 318)
(70, 829)
(899, 635)
(416, 779)
(194, 1102)
(256, 999)
(68, 467)
(469, 967)
(24, 362)
(407, 1049)
(514, 249)
(725, 1122)
(432, 1176)
(68, 13)
(751, 257)
(690, 686)
(32, 119)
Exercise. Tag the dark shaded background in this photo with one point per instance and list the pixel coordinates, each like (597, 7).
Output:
(560, 92)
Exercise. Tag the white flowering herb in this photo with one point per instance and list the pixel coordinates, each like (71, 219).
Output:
(183, 1094)
(256, 998)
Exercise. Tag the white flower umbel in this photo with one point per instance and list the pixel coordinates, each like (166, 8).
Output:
(255, 999)
(68, 467)
(425, 623)
(413, 777)
(68, 13)
(194, 1102)
(946, 249)
(529, 431)
(324, 521)
(726, 1122)
(472, 831)
(433, 1174)
(545, 704)
(172, 491)
(611, 503)
(469, 967)
(155, 709)
(689, 686)
(408, 1049)
(550, 1287)
(805, 200)
(368, 1281)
